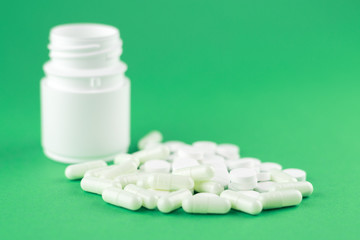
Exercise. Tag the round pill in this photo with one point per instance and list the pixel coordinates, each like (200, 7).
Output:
(299, 174)
(243, 175)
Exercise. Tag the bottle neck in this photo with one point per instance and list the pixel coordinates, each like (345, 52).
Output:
(84, 46)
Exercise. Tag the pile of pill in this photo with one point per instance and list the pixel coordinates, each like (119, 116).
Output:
(204, 177)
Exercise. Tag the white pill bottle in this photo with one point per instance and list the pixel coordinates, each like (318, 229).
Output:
(85, 96)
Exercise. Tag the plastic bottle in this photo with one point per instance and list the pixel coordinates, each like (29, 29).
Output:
(85, 96)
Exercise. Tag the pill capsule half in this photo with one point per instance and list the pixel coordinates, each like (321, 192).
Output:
(306, 188)
(279, 199)
(77, 171)
(122, 198)
(206, 203)
(131, 178)
(197, 173)
(97, 185)
(169, 182)
(148, 198)
(209, 187)
(173, 200)
(243, 202)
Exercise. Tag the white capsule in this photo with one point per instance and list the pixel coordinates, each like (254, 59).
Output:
(280, 176)
(229, 151)
(97, 185)
(209, 187)
(160, 152)
(77, 171)
(169, 182)
(299, 174)
(306, 188)
(150, 138)
(242, 202)
(197, 173)
(267, 166)
(143, 183)
(279, 199)
(148, 198)
(263, 176)
(209, 203)
(156, 166)
(264, 186)
(122, 198)
(245, 178)
(132, 178)
(173, 200)
(159, 193)
(124, 157)
(250, 193)
(205, 146)
(125, 167)
(97, 171)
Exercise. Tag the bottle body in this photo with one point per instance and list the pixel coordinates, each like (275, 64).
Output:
(85, 107)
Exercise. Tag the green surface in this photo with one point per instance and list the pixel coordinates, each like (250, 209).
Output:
(279, 78)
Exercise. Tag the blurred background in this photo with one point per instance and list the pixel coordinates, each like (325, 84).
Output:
(278, 78)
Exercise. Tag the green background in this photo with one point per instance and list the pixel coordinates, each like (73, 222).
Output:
(278, 78)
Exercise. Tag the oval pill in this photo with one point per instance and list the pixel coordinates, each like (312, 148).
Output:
(206, 204)
(243, 202)
(122, 198)
(173, 200)
(77, 171)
